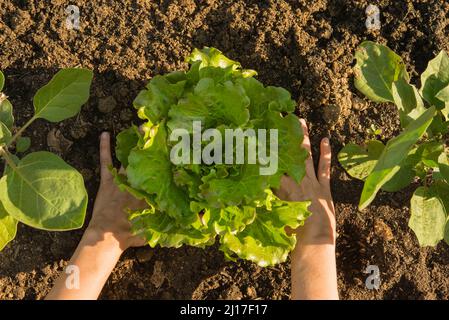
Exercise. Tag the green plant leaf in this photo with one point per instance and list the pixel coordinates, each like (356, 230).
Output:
(23, 144)
(359, 161)
(126, 141)
(64, 95)
(248, 186)
(409, 102)
(376, 69)
(443, 165)
(6, 115)
(230, 219)
(434, 79)
(443, 95)
(429, 153)
(394, 153)
(155, 101)
(265, 241)
(161, 229)
(212, 57)
(44, 192)
(401, 179)
(291, 156)
(428, 217)
(8, 227)
(5, 134)
(2, 81)
(150, 170)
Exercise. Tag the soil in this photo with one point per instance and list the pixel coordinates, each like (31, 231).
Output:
(303, 45)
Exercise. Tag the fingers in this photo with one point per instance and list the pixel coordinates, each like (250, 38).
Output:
(324, 167)
(105, 157)
(310, 170)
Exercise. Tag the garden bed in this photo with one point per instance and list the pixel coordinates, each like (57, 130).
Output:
(304, 46)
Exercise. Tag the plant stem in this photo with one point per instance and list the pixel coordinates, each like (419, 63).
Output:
(19, 133)
(5, 154)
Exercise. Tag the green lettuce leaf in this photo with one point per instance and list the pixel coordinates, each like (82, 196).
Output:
(265, 241)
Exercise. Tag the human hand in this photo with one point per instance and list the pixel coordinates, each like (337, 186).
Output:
(320, 226)
(109, 219)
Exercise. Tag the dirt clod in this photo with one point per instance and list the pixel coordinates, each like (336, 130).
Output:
(107, 104)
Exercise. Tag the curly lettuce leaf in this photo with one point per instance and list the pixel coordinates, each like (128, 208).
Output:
(161, 229)
(265, 241)
(150, 170)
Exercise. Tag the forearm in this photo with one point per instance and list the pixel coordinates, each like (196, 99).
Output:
(95, 258)
(314, 272)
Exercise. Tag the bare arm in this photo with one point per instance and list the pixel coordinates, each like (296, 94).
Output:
(105, 239)
(313, 264)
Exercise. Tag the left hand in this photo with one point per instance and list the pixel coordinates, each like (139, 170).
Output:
(109, 218)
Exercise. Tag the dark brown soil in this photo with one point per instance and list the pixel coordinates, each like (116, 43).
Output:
(305, 46)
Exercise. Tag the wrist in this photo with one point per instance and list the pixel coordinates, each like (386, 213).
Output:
(95, 236)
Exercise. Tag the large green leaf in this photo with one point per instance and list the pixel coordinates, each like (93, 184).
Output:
(394, 153)
(434, 79)
(376, 69)
(265, 241)
(5, 134)
(8, 227)
(161, 229)
(22, 144)
(126, 141)
(429, 152)
(428, 217)
(44, 192)
(150, 170)
(244, 188)
(443, 95)
(291, 156)
(409, 102)
(6, 115)
(212, 57)
(156, 100)
(263, 99)
(64, 95)
(231, 219)
(443, 165)
(359, 161)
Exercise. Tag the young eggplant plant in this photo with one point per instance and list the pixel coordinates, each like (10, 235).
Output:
(419, 152)
(192, 202)
(40, 189)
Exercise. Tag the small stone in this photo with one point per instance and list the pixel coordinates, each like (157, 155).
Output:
(79, 131)
(57, 142)
(383, 230)
(126, 115)
(158, 276)
(331, 113)
(251, 292)
(107, 104)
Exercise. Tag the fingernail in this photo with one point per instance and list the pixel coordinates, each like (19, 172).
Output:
(326, 140)
(105, 135)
